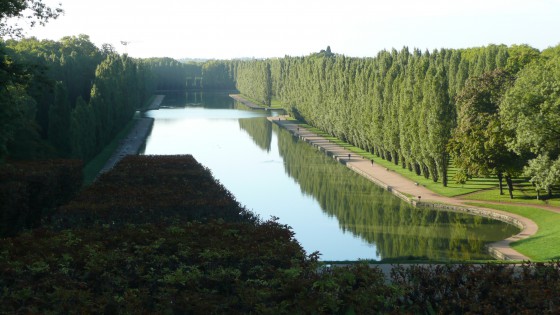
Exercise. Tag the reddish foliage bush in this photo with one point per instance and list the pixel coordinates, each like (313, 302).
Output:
(531, 288)
(144, 189)
(216, 267)
(30, 190)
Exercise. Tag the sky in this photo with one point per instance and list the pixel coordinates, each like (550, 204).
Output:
(226, 29)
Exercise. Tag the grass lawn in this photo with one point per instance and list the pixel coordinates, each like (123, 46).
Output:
(275, 103)
(523, 193)
(96, 164)
(543, 246)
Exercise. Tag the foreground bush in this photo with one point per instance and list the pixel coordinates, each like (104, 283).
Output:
(531, 288)
(216, 267)
(29, 191)
(158, 235)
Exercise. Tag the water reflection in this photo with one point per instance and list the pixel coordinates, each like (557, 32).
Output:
(260, 131)
(215, 100)
(330, 208)
(396, 228)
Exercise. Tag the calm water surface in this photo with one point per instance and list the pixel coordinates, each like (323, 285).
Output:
(330, 208)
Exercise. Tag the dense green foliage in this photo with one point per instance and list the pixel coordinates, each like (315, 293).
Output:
(403, 106)
(531, 112)
(254, 79)
(29, 192)
(65, 98)
(217, 76)
(171, 75)
(478, 145)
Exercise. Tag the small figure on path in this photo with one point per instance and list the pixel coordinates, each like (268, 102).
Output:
(349, 156)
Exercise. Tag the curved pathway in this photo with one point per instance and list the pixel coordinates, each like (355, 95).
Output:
(411, 192)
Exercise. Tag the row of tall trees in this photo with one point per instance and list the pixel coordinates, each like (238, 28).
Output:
(398, 105)
(172, 75)
(481, 107)
(70, 97)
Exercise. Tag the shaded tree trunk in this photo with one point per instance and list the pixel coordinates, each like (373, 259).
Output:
(434, 170)
(510, 186)
(425, 170)
(500, 178)
(417, 169)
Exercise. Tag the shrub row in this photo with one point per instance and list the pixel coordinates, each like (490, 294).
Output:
(146, 189)
(29, 191)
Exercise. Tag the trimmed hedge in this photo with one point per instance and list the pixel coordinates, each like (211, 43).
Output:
(146, 189)
(29, 191)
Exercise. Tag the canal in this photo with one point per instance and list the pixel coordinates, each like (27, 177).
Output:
(330, 208)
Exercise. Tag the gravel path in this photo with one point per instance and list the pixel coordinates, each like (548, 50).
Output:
(404, 188)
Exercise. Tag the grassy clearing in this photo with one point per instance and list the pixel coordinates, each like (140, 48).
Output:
(96, 164)
(543, 246)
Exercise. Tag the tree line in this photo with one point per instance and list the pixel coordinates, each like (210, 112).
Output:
(491, 110)
(66, 98)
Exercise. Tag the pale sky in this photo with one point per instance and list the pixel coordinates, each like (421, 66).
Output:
(225, 29)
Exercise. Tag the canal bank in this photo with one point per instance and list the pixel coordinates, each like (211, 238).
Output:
(247, 103)
(136, 137)
(412, 193)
